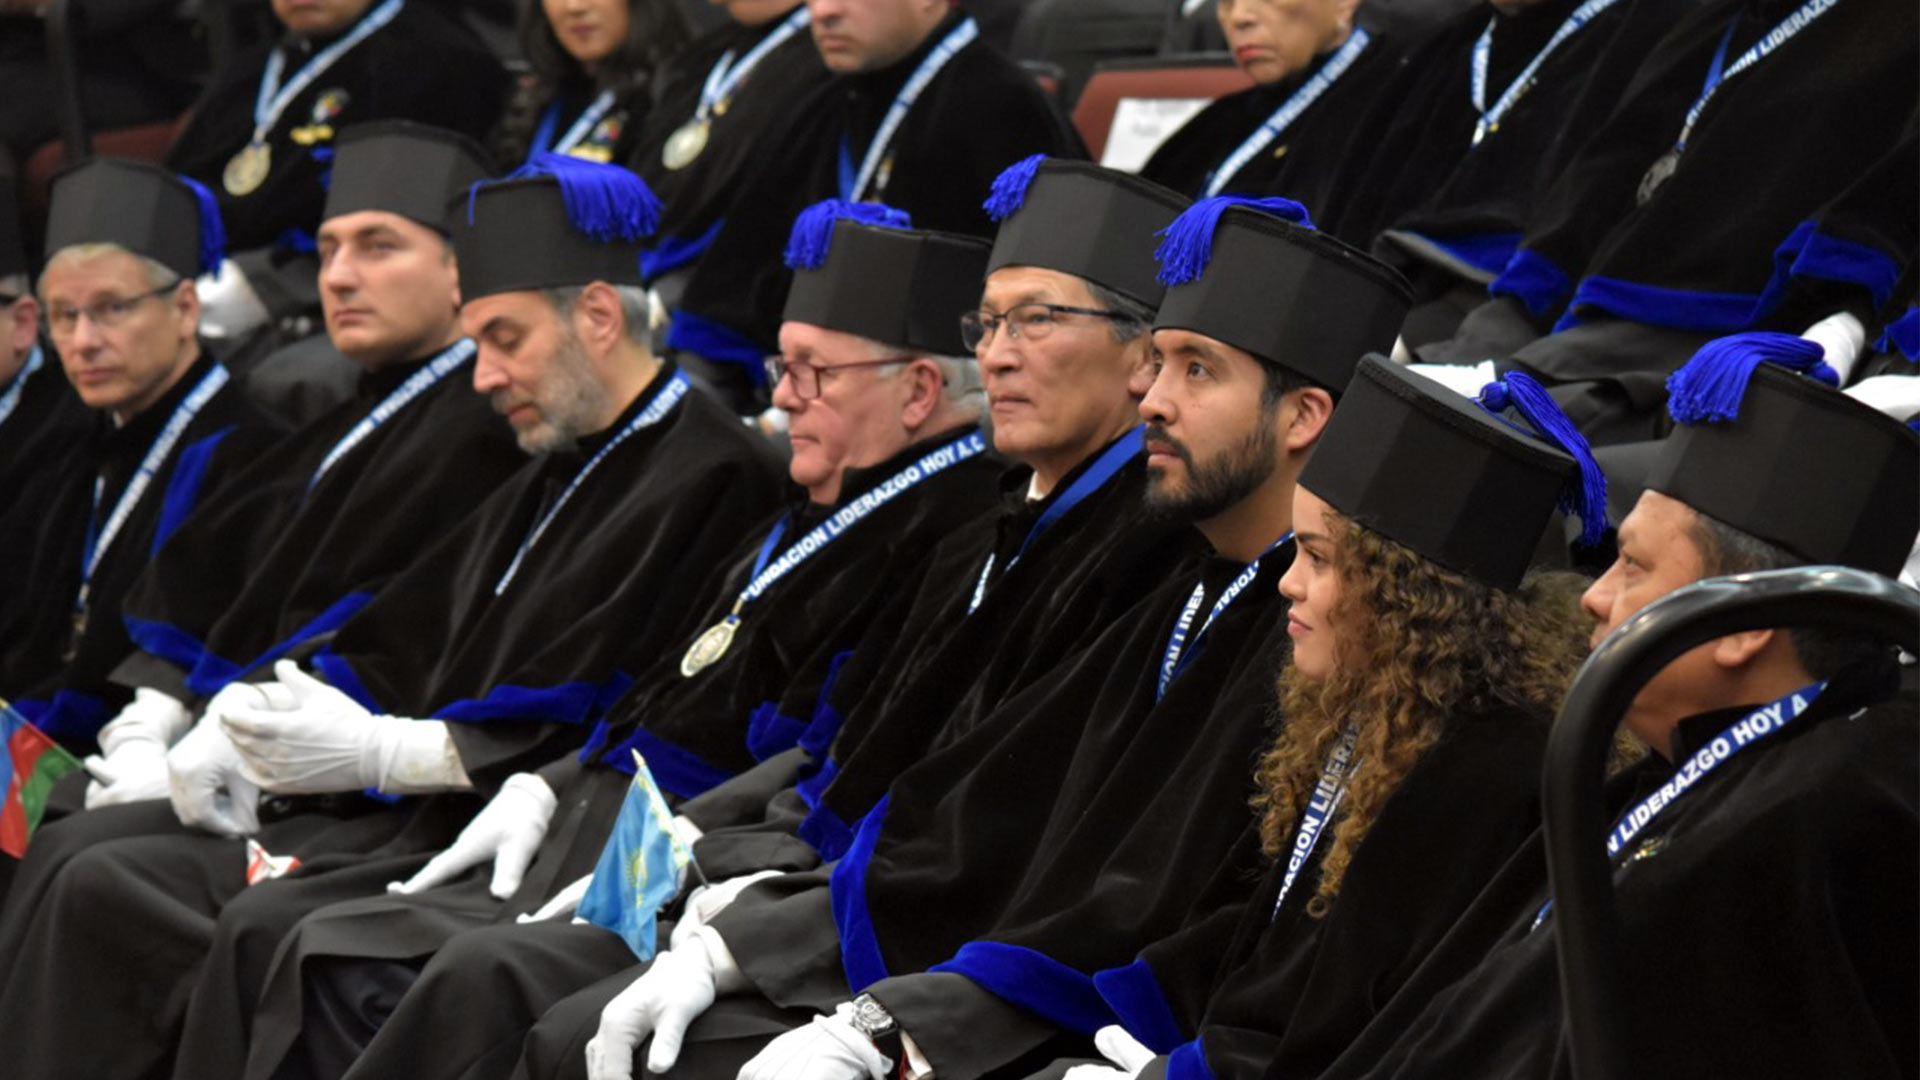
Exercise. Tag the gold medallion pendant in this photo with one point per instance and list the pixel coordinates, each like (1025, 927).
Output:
(709, 647)
(686, 143)
(248, 169)
(1656, 175)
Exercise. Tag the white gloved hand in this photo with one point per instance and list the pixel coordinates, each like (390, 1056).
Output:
(1840, 337)
(132, 763)
(1127, 1054)
(229, 306)
(830, 1048)
(1897, 396)
(507, 831)
(205, 784)
(564, 903)
(1459, 378)
(663, 1003)
(330, 742)
(705, 902)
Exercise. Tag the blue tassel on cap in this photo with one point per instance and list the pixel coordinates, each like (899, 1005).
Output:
(1188, 247)
(1009, 192)
(606, 202)
(1532, 402)
(813, 228)
(213, 233)
(1710, 387)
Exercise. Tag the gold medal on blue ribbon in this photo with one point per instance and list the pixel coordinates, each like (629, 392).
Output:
(248, 169)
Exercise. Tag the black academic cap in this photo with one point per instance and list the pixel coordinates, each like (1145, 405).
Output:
(859, 269)
(13, 252)
(555, 222)
(1799, 465)
(143, 208)
(1436, 472)
(414, 170)
(1276, 287)
(1078, 218)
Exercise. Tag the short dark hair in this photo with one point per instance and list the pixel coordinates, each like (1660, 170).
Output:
(1281, 381)
(1825, 653)
(1137, 317)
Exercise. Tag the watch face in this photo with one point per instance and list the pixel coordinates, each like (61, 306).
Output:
(870, 1016)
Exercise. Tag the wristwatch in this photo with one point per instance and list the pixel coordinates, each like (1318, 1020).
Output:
(870, 1018)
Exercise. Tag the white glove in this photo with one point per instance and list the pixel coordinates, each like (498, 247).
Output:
(564, 903)
(663, 1002)
(1459, 378)
(507, 830)
(1897, 396)
(705, 902)
(229, 308)
(330, 742)
(132, 763)
(205, 784)
(1840, 336)
(1118, 1045)
(830, 1048)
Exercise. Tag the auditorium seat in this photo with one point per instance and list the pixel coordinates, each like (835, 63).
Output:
(1196, 77)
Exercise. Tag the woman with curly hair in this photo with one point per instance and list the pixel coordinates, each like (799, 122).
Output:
(1426, 665)
(591, 66)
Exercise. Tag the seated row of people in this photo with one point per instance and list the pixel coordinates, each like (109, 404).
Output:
(965, 758)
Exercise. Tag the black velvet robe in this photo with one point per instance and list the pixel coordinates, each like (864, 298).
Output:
(1769, 931)
(1287, 991)
(945, 156)
(280, 558)
(48, 423)
(71, 699)
(422, 66)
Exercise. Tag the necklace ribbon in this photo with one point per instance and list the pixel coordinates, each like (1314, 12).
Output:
(1177, 657)
(1289, 110)
(958, 38)
(418, 383)
(1490, 117)
(1111, 461)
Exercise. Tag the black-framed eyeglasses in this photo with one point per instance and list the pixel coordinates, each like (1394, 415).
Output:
(107, 313)
(804, 378)
(1030, 322)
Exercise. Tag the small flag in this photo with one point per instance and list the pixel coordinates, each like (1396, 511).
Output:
(641, 867)
(31, 763)
(263, 865)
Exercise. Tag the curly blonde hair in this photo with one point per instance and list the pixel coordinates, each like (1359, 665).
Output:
(1420, 645)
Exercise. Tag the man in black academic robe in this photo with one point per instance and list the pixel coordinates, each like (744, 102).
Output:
(1767, 909)
(308, 533)
(169, 428)
(40, 415)
(747, 107)
(1660, 235)
(508, 634)
(347, 62)
(932, 161)
(998, 604)
(889, 461)
(938, 914)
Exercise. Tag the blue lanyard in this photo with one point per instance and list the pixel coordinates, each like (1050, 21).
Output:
(1718, 72)
(854, 186)
(1490, 117)
(1327, 793)
(1289, 110)
(727, 75)
(11, 399)
(1759, 724)
(656, 410)
(1177, 656)
(1111, 461)
(451, 357)
(549, 120)
(273, 97)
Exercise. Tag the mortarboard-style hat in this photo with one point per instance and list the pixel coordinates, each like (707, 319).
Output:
(143, 208)
(1445, 475)
(860, 268)
(13, 252)
(556, 221)
(1781, 457)
(1078, 218)
(414, 170)
(1257, 275)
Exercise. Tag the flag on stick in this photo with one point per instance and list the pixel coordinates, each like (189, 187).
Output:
(640, 869)
(31, 763)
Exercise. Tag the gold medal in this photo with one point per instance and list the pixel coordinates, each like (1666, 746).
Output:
(248, 169)
(709, 646)
(1657, 174)
(686, 143)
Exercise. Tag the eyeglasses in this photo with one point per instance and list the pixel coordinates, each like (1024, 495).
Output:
(1030, 322)
(804, 378)
(106, 314)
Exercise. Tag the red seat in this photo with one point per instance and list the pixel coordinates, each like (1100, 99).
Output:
(1206, 77)
(146, 143)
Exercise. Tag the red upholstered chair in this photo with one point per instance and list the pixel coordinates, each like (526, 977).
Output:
(1201, 75)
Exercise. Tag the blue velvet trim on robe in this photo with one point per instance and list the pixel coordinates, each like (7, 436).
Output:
(769, 732)
(720, 344)
(1903, 334)
(1488, 252)
(825, 725)
(567, 703)
(680, 771)
(1134, 995)
(673, 252)
(1534, 281)
(859, 946)
(213, 672)
(183, 489)
(1188, 1062)
(1034, 981)
(71, 717)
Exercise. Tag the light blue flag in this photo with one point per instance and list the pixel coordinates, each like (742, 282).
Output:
(641, 867)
